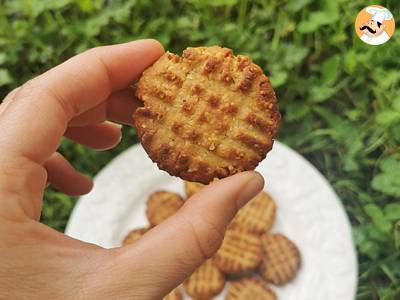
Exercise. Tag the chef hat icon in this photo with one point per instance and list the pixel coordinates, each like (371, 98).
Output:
(379, 14)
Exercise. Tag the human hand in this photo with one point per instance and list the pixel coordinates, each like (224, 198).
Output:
(74, 100)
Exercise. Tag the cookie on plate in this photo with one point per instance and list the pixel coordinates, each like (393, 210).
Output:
(208, 114)
(281, 259)
(134, 235)
(206, 282)
(192, 188)
(240, 252)
(249, 288)
(258, 215)
(174, 295)
(161, 205)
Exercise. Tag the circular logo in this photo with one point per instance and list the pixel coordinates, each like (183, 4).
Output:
(375, 25)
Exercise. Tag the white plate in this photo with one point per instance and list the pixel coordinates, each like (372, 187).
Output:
(309, 213)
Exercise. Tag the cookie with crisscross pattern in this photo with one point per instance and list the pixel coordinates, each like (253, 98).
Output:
(134, 235)
(240, 252)
(206, 282)
(161, 205)
(258, 215)
(192, 188)
(207, 114)
(249, 288)
(281, 259)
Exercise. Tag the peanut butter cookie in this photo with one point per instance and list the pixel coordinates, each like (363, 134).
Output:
(258, 215)
(281, 259)
(192, 188)
(240, 252)
(134, 235)
(252, 288)
(206, 282)
(208, 114)
(161, 205)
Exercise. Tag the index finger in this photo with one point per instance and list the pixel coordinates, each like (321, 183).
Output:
(35, 120)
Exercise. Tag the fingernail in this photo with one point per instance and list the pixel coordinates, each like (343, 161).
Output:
(250, 189)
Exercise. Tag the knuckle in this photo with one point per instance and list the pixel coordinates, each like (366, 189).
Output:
(96, 55)
(36, 88)
(94, 50)
(213, 237)
(206, 235)
(68, 106)
(30, 87)
(11, 94)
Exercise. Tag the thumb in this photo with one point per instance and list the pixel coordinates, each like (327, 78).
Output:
(170, 252)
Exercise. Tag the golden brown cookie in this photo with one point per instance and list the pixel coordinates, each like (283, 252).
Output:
(240, 252)
(206, 282)
(174, 295)
(281, 259)
(192, 188)
(206, 114)
(258, 215)
(161, 205)
(249, 288)
(134, 235)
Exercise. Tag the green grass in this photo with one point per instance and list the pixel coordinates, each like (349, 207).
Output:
(339, 98)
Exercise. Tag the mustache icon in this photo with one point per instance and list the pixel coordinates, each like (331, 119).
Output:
(368, 28)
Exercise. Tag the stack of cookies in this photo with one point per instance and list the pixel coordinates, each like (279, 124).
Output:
(250, 257)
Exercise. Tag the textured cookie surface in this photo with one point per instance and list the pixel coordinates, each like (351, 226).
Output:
(206, 114)
(161, 205)
(207, 281)
(258, 215)
(174, 295)
(240, 252)
(249, 288)
(134, 235)
(192, 188)
(281, 259)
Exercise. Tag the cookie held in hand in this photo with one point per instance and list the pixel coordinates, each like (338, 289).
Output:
(281, 259)
(208, 114)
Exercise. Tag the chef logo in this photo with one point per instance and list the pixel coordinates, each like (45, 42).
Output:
(375, 25)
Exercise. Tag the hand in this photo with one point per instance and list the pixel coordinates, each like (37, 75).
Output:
(74, 100)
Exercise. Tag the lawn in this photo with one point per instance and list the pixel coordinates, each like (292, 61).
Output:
(339, 97)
